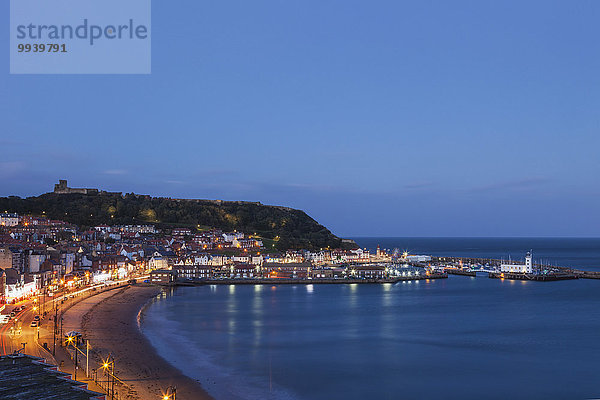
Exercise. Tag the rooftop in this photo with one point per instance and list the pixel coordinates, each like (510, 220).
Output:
(25, 377)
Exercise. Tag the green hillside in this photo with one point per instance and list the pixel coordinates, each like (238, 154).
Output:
(290, 229)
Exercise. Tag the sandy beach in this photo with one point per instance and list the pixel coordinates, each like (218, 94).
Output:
(109, 320)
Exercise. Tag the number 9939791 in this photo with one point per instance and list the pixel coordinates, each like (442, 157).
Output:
(42, 48)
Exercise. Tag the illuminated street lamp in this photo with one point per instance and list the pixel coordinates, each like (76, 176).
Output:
(72, 338)
(108, 366)
(171, 393)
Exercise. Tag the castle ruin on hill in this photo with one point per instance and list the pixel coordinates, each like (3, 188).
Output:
(62, 188)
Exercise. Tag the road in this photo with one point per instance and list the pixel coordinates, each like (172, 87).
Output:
(18, 331)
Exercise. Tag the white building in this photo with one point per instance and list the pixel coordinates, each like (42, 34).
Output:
(158, 262)
(101, 276)
(257, 260)
(202, 259)
(138, 228)
(35, 261)
(526, 268)
(231, 236)
(418, 258)
(68, 261)
(9, 219)
(20, 290)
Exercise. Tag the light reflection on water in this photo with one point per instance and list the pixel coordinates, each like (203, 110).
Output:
(389, 341)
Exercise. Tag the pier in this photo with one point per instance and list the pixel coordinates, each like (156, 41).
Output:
(587, 274)
(533, 277)
(458, 271)
(291, 281)
(469, 266)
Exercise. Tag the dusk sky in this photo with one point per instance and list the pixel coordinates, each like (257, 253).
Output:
(378, 118)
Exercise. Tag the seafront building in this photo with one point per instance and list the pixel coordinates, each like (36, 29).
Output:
(41, 256)
(516, 268)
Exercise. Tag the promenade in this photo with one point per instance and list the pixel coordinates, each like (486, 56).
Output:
(47, 341)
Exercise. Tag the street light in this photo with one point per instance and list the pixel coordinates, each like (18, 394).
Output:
(171, 393)
(108, 366)
(70, 342)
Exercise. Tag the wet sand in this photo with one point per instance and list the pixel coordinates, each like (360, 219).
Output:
(111, 324)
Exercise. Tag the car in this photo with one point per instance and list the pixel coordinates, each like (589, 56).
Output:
(36, 318)
(12, 313)
(23, 307)
(34, 324)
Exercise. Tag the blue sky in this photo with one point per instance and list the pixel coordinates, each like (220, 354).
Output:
(379, 118)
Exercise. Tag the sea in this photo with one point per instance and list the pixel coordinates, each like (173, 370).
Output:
(456, 338)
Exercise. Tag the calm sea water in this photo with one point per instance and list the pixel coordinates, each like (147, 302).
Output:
(457, 338)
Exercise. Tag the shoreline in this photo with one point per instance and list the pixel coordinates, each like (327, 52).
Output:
(113, 327)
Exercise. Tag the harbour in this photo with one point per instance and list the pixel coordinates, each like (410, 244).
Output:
(267, 281)
(262, 341)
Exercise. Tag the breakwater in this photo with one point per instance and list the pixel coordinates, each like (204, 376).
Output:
(459, 266)
(458, 271)
(286, 281)
(532, 277)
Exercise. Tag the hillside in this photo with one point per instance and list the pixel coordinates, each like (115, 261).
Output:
(289, 228)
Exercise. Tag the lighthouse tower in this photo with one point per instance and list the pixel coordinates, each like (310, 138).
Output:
(528, 263)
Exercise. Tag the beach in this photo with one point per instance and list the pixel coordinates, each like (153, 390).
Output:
(110, 321)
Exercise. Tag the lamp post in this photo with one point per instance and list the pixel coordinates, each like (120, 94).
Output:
(87, 357)
(105, 367)
(54, 331)
(108, 366)
(70, 340)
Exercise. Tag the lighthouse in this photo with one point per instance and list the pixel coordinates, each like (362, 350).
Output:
(514, 268)
(528, 263)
